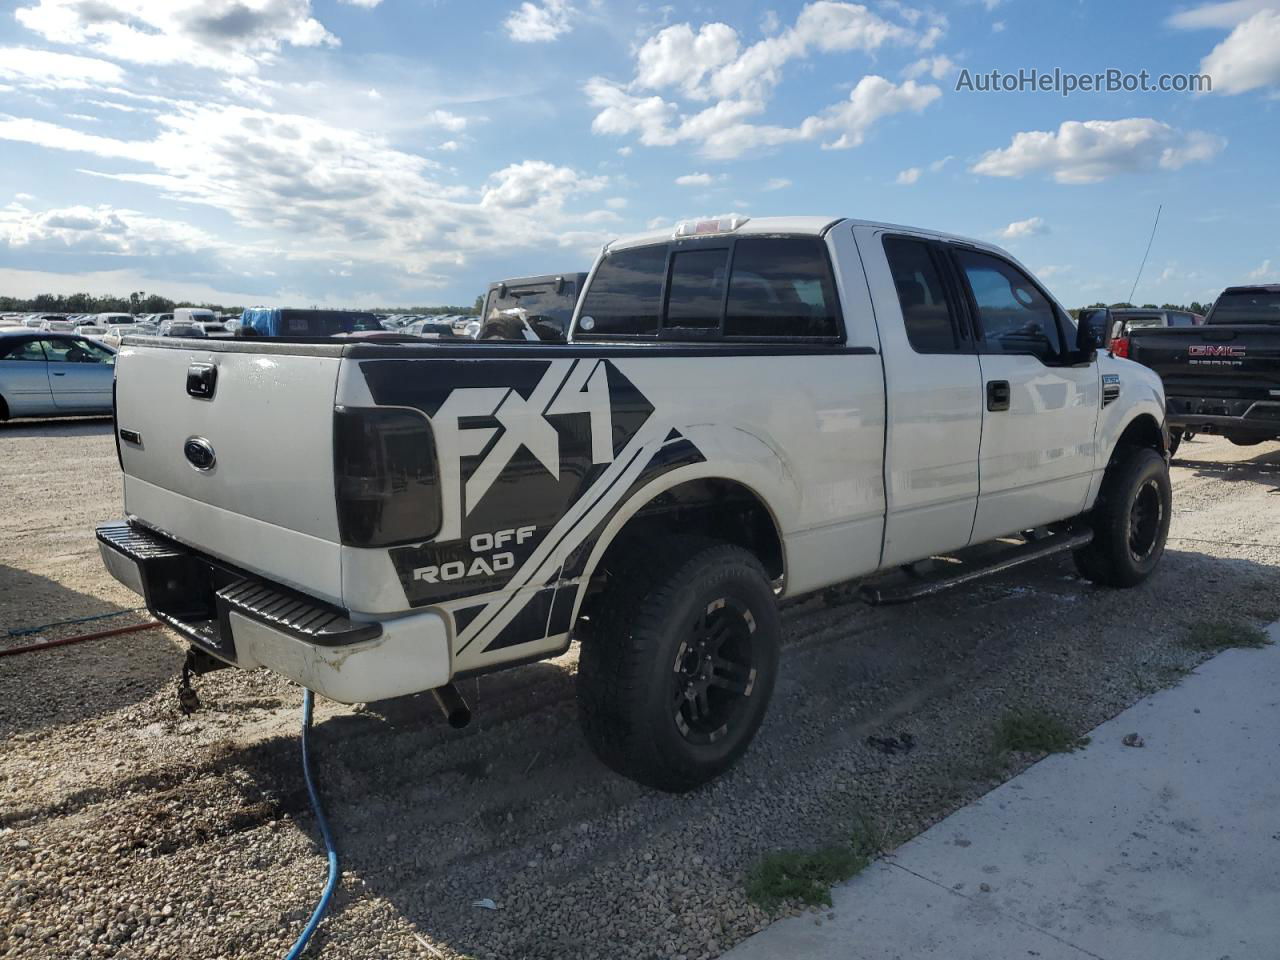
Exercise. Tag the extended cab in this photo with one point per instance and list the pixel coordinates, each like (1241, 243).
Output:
(1223, 377)
(744, 411)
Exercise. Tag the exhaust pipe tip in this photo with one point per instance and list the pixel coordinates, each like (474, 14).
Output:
(451, 704)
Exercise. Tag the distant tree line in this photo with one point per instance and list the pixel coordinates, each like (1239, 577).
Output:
(1195, 306)
(143, 302)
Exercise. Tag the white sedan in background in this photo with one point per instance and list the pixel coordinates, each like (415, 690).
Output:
(48, 374)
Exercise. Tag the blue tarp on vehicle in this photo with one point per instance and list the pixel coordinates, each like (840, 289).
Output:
(288, 322)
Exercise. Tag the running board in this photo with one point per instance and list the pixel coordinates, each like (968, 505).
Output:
(1007, 560)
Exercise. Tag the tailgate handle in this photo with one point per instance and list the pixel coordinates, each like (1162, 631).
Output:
(202, 380)
(998, 395)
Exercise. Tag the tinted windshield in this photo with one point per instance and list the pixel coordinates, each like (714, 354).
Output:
(1246, 307)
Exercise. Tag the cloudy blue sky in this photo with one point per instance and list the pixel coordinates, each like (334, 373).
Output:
(364, 152)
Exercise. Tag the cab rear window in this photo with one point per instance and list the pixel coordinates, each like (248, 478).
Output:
(1247, 306)
(718, 288)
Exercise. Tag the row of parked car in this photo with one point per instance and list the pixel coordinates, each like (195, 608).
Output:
(110, 328)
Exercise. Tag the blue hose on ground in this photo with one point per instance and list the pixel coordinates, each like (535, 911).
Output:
(25, 631)
(331, 884)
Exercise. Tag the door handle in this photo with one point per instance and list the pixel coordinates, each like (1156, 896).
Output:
(59, 373)
(998, 395)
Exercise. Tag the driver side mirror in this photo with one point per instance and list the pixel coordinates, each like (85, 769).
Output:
(1093, 329)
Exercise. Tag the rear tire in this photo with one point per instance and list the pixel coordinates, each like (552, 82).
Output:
(1130, 521)
(676, 675)
(1245, 441)
(1175, 441)
(4, 410)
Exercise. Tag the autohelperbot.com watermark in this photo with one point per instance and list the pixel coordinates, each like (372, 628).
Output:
(1065, 82)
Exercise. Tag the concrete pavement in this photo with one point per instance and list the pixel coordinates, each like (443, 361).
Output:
(1170, 851)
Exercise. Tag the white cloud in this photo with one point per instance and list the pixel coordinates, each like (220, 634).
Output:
(998, 26)
(1250, 56)
(367, 4)
(99, 230)
(710, 65)
(722, 130)
(937, 165)
(47, 70)
(323, 191)
(228, 35)
(616, 203)
(1098, 149)
(540, 22)
(656, 222)
(871, 100)
(536, 183)
(54, 137)
(1049, 271)
(1031, 227)
(937, 67)
(777, 183)
(445, 120)
(695, 180)
(908, 176)
(1222, 15)
(1263, 271)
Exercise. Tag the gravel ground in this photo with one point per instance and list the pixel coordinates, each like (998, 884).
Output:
(128, 830)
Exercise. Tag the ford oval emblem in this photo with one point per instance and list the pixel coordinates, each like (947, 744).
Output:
(199, 453)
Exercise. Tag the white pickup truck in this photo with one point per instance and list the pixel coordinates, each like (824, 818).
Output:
(744, 411)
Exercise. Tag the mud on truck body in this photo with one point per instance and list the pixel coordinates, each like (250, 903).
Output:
(744, 411)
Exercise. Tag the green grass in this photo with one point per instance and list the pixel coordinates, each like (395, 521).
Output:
(1035, 731)
(1224, 634)
(807, 876)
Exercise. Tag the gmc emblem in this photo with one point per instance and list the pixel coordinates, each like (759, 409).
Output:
(1215, 350)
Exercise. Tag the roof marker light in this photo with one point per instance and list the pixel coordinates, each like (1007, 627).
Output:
(696, 228)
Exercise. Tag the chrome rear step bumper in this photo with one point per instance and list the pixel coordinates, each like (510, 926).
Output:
(196, 595)
(250, 622)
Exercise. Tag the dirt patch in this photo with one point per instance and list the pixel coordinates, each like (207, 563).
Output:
(129, 830)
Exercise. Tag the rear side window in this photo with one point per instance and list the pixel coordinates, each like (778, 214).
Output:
(625, 296)
(1014, 315)
(781, 287)
(926, 310)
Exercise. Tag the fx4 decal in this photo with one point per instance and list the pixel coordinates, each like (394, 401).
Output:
(518, 443)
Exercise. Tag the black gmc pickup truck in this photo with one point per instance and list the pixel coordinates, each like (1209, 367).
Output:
(1222, 377)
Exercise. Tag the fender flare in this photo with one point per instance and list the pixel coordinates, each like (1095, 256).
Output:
(758, 473)
(1151, 411)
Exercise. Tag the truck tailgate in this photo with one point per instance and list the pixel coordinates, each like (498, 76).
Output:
(1229, 362)
(245, 474)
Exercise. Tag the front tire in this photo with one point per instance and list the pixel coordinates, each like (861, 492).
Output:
(1130, 521)
(676, 675)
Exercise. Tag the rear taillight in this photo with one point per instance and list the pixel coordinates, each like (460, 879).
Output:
(1120, 347)
(385, 476)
